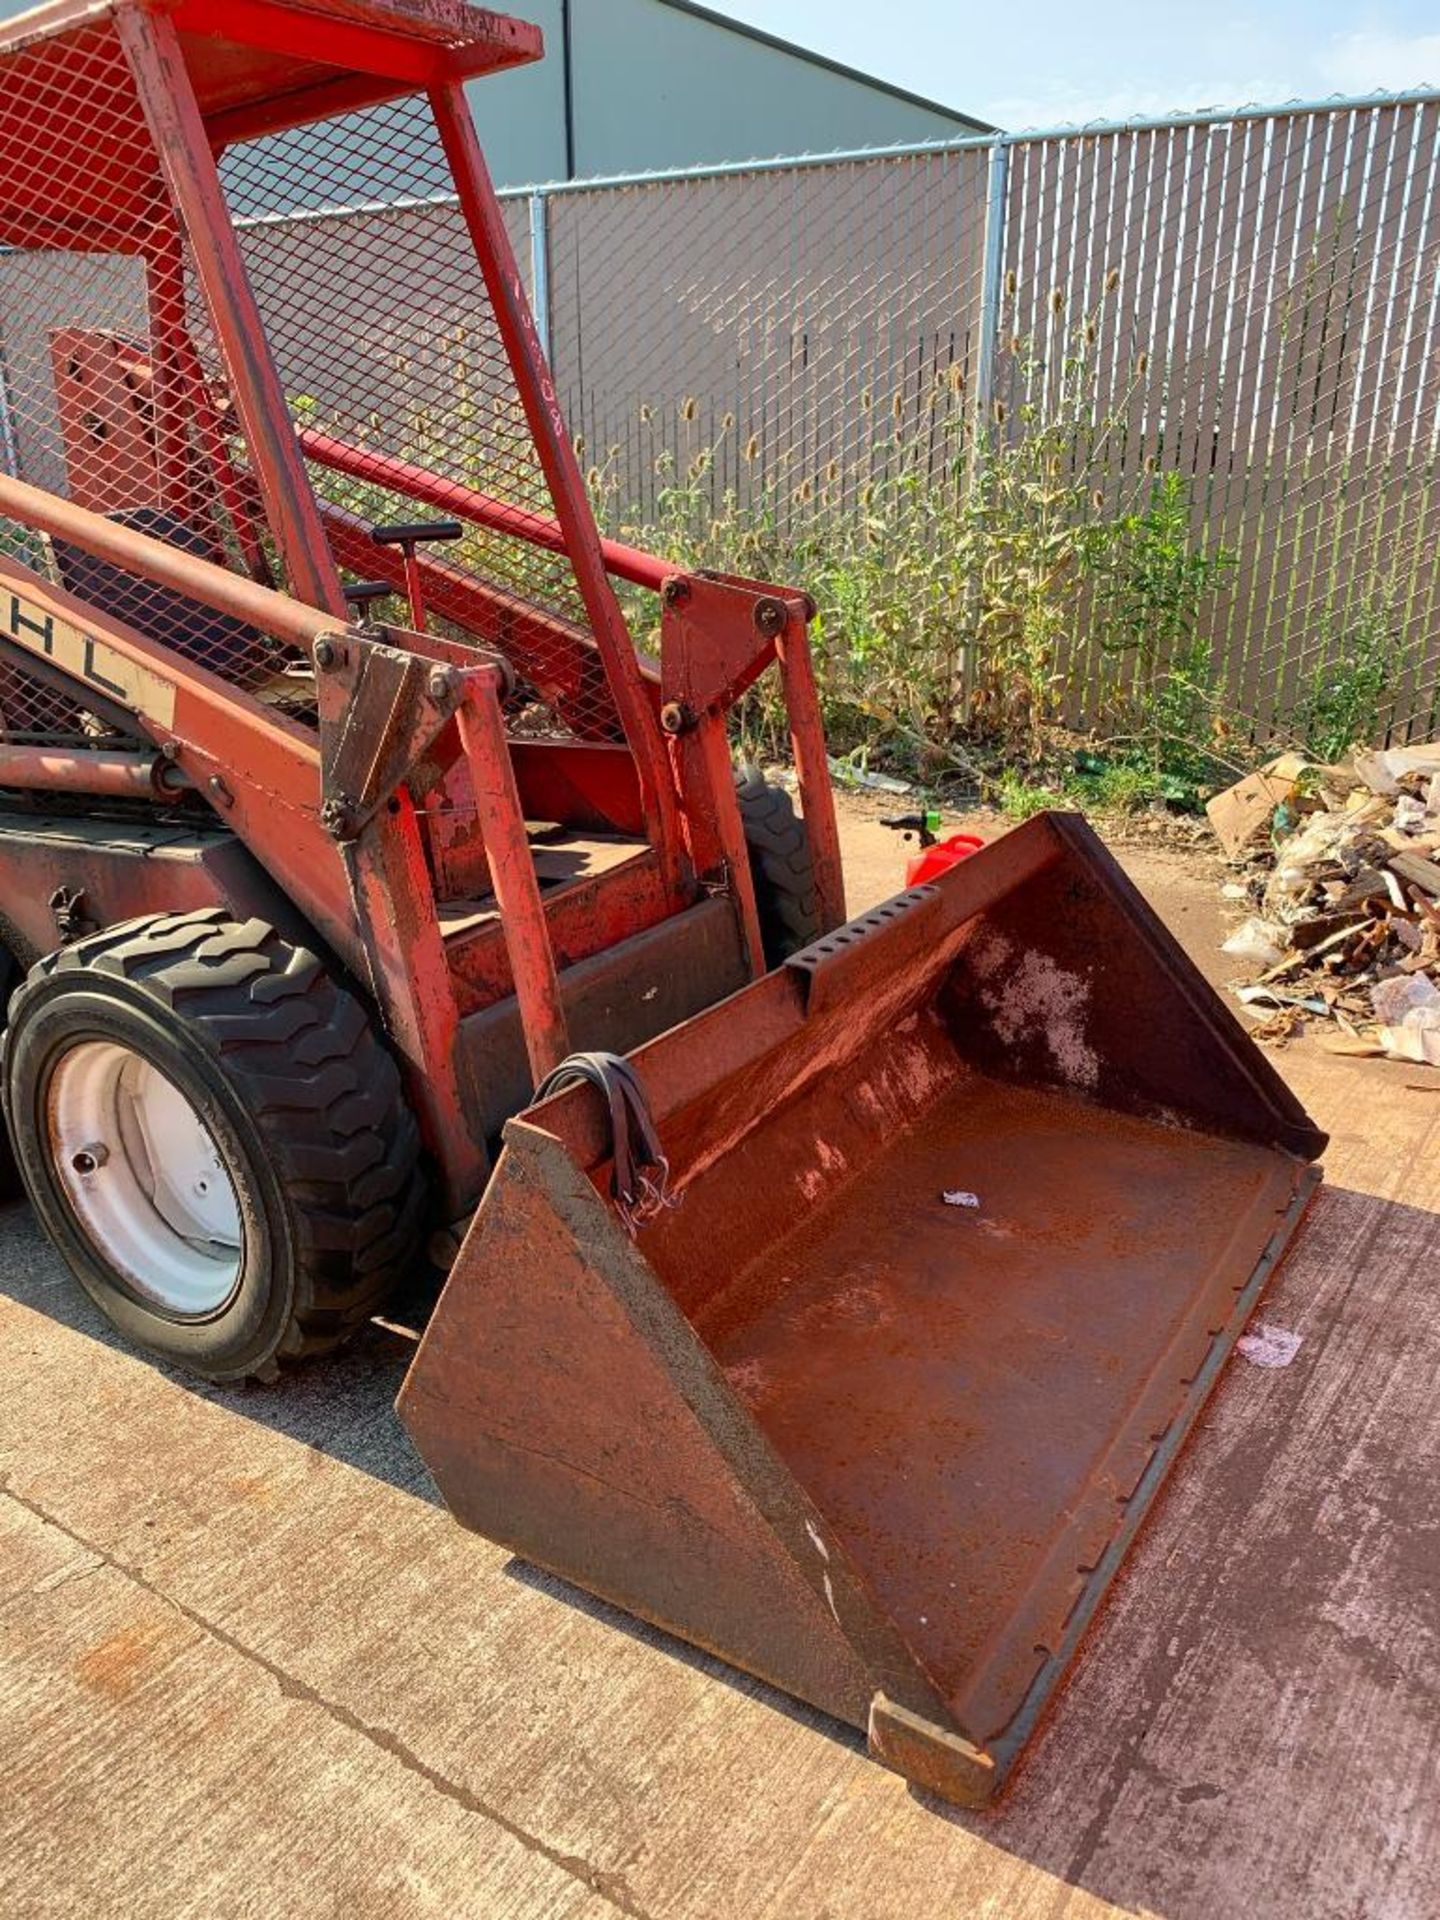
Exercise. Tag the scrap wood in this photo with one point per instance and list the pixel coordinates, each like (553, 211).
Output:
(1383, 772)
(1310, 936)
(1419, 870)
(1410, 842)
(1357, 1044)
(1280, 1026)
(1258, 996)
(1305, 956)
(1368, 884)
(1348, 927)
(1242, 813)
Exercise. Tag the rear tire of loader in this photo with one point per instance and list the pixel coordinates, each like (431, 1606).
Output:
(781, 867)
(11, 1185)
(252, 1191)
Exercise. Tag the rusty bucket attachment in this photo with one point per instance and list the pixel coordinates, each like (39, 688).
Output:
(976, 1195)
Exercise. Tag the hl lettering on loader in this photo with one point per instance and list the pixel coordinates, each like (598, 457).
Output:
(363, 888)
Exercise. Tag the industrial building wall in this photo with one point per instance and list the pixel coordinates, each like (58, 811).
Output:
(659, 87)
(653, 86)
(520, 115)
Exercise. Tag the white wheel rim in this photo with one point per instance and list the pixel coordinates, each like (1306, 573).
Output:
(145, 1179)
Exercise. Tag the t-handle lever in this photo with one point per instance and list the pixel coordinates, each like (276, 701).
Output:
(407, 535)
(364, 593)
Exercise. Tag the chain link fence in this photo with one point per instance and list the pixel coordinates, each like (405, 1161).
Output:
(805, 324)
(1244, 310)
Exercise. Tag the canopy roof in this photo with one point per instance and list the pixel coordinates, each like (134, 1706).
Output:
(260, 65)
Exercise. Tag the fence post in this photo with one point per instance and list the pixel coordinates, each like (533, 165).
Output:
(982, 425)
(9, 456)
(540, 270)
(991, 278)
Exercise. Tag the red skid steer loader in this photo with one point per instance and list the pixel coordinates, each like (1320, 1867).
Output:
(364, 889)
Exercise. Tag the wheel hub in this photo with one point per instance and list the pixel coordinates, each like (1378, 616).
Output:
(145, 1179)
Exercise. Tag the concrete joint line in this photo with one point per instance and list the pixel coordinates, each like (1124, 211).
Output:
(610, 1887)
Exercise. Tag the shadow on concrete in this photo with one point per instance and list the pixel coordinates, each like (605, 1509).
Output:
(1251, 1721)
(343, 1405)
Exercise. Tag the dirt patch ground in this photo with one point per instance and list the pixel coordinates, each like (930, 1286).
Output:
(249, 1668)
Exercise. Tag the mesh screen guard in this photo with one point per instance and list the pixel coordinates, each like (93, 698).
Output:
(114, 395)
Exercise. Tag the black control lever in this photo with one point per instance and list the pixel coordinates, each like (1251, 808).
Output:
(407, 535)
(365, 593)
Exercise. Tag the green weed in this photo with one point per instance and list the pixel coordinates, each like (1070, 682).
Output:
(1349, 694)
(1018, 797)
(969, 575)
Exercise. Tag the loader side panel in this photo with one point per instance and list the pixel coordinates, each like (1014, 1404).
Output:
(616, 999)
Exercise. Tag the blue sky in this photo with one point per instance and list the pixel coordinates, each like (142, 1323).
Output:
(1045, 61)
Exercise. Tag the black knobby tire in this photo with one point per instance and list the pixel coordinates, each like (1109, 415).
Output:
(303, 1102)
(780, 865)
(11, 1186)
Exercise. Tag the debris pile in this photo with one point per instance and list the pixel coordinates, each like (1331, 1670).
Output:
(1342, 873)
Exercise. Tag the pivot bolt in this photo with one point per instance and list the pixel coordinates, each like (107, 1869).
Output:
(337, 817)
(327, 654)
(676, 717)
(441, 685)
(771, 617)
(675, 591)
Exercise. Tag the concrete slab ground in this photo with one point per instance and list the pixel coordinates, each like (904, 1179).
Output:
(249, 1668)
